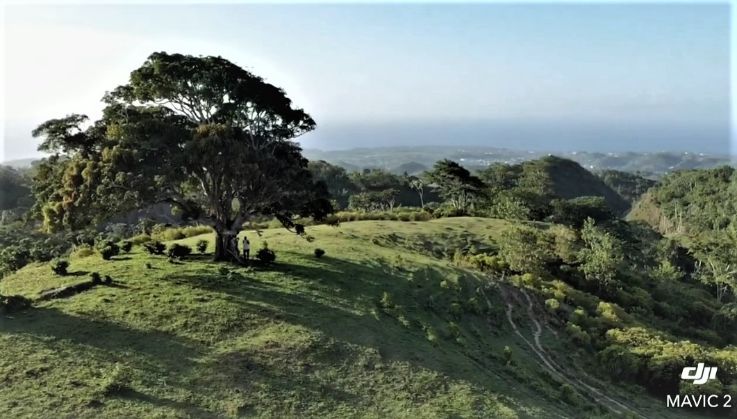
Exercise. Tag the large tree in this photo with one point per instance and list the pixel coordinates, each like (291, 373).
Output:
(200, 133)
(455, 184)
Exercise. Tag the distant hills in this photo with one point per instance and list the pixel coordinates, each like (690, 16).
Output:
(651, 165)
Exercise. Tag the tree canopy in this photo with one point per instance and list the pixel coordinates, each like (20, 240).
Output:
(200, 133)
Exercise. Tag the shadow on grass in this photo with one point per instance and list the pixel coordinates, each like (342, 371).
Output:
(78, 273)
(188, 408)
(162, 348)
(338, 297)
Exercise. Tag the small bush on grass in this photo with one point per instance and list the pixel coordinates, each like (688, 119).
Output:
(13, 303)
(265, 255)
(59, 266)
(386, 301)
(319, 253)
(95, 277)
(108, 249)
(179, 251)
(508, 355)
(126, 246)
(202, 246)
(155, 247)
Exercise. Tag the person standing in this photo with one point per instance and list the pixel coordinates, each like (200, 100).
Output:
(246, 248)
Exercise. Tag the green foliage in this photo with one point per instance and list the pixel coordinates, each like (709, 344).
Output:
(577, 334)
(154, 247)
(96, 278)
(264, 254)
(455, 184)
(601, 255)
(218, 147)
(126, 246)
(386, 302)
(549, 187)
(14, 189)
(629, 186)
(573, 212)
(526, 249)
(108, 249)
(552, 305)
(13, 303)
(178, 251)
(59, 266)
(508, 355)
(201, 246)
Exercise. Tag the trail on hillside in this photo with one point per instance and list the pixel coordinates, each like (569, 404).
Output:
(549, 364)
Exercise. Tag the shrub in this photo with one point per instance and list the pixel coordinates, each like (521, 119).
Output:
(96, 279)
(508, 355)
(13, 258)
(12, 303)
(126, 246)
(202, 246)
(578, 335)
(265, 255)
(386, 301)
(155, 247)
(59, 266)
(552, 305)
(179, 251)
(454, 330)
(108, 249)
(432, 335)
(319, 253)
(455, 310)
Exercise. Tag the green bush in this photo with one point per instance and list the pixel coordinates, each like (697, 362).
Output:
(154, 247)
(386, 301)
(577, 334)
(179, 251)
(552, 305)
(108, 249)
(126, 246)
(508, 355)
(59, 266)
(96, 278)
(265, 255)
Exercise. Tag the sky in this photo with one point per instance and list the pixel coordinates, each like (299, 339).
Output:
(573, 76)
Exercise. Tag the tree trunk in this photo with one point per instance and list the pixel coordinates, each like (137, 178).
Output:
(226, 246)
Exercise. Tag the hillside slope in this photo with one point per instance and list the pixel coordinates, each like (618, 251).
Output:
(567, 179)
(381, 326)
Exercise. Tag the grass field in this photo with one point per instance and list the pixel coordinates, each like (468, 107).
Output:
(381, 326)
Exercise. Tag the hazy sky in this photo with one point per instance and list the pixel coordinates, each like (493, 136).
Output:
(563, 76)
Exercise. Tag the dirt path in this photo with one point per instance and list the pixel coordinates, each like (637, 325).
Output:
(549, 364)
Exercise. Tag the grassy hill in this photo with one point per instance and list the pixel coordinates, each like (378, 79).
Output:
(381, 326)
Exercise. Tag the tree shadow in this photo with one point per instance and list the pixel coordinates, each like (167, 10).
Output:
(78, 273)
(188, 408)
(163, 348)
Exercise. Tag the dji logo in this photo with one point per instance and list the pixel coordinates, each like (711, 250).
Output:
(699, 374)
